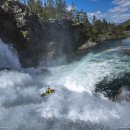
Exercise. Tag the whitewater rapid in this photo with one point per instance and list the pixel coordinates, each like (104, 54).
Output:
(75, 105)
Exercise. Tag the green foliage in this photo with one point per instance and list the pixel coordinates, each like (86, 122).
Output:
(35, 6)
(126, 25)
(57, 9)
(72, 12)
(61, 11)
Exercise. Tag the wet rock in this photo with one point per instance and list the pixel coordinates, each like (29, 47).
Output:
(9, 31)
(3, 68)
(17, 27)
(61, 38)
(37, 40)
(126, 50)
(123, 94)
(113, 88)
(87, 45)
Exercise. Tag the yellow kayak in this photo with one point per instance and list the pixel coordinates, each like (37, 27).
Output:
(48, 92)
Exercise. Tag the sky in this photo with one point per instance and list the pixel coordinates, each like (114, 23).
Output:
(116, 11)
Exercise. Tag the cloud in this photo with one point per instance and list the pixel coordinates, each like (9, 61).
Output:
(95, 13)
(69, 8)
(122, 3)
(118, 10)
(117, 14)
(121, 6)
(119, 18)
(98, 14)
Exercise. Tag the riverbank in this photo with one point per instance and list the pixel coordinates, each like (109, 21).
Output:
(90, 45)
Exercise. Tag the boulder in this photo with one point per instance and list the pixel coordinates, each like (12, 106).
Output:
(87, 45)
(114, 87)
(126, 50)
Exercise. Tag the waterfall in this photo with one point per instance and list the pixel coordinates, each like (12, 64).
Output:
(8, 57)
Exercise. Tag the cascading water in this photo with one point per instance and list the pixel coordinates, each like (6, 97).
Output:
(8, 57)
(74, 105)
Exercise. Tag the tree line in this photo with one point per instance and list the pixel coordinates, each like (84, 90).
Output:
(98, 29)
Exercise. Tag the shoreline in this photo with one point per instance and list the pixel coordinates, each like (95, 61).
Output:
(91, 45)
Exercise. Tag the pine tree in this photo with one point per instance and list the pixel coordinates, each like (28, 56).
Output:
(94, 28)
(35, 6)
(77, 17)
(72, 11)
(50, 10)
(60, 9)
(64, 6)
(94, 19)
(87, 24)
(104, 26)
(85, 18)
(44, 14)
(50, 3)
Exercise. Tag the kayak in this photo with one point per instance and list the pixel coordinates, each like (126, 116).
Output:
(47, 93)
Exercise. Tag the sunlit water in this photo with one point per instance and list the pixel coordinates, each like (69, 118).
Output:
(74, 106)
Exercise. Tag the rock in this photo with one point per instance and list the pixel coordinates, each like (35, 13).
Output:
(19, 27)
(3, 68)
(123, 94)
(87, 45)
(62, 37)
(113, 88)
(37, 40)
(126, 50)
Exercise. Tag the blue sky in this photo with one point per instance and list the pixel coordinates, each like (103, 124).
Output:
(113, 10)
(91, 5)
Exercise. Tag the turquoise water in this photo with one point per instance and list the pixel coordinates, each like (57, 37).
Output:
(75, 105)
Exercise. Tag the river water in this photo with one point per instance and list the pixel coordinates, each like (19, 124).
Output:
(74, 105)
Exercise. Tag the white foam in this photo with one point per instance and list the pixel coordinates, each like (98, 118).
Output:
(21, 106)
(79, 103)
(8, 57)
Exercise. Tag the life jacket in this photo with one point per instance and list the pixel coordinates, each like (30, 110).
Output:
(50, 91)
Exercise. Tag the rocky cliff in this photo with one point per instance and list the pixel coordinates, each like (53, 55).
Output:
(35, 39)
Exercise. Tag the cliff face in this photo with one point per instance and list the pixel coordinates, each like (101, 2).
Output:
(9, 31)
(18, 27)
(61, 38)
(35, 40)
